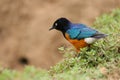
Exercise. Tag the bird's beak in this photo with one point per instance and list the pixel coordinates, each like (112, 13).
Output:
(51, 28)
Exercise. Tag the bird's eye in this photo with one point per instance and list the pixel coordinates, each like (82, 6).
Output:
(56, 24)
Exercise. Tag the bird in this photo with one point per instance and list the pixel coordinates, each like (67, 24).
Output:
(79, 35)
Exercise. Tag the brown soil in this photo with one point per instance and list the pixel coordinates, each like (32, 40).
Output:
(24, 24)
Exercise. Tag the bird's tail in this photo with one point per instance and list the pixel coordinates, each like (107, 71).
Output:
(99, 35)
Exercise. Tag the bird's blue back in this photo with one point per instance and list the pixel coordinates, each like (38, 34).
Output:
(80, 31)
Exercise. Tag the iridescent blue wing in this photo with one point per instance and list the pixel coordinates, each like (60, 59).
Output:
(80, 31)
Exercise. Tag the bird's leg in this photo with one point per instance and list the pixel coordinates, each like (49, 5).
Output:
(89, 47)
(77, 55)
(77, 52)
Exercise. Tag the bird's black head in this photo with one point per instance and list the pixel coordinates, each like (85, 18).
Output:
(61, 24)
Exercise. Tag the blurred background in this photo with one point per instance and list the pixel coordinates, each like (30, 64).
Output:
(25, 38)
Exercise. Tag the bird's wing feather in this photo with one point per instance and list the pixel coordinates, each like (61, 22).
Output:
(73, 33)
(86, 32)
(80, 33)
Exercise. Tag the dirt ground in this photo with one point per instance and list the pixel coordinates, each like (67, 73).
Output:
(24, 24)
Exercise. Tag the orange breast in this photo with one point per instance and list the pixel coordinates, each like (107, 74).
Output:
(77, 43)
